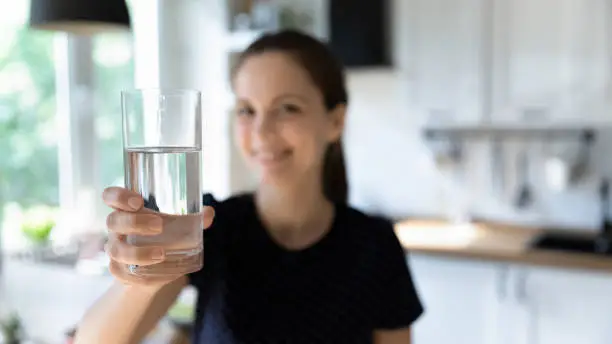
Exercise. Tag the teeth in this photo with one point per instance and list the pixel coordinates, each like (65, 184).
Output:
(267, 156)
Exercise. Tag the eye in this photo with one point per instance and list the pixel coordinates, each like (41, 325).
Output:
(244, 111)
(290, 108)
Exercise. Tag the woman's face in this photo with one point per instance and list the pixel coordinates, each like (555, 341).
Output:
(282, 126)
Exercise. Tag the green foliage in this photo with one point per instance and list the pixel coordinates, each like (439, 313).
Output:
(11, 329)
(38, 234)
(28, 168)
(28, 128)
(38, 224)
(182, 312)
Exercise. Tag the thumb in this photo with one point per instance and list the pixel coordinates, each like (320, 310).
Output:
(208, 215)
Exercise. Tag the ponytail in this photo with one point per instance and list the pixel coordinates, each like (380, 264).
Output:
(335, 184)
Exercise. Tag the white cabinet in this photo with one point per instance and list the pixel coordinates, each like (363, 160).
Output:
(460, 300)
(445, 57)
(567, 307)
(551, 54)
(474, 302)
(475, 60)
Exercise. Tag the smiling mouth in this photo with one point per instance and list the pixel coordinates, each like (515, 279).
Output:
(272, 158)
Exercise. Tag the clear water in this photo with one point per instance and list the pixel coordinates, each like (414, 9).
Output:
(169, 180)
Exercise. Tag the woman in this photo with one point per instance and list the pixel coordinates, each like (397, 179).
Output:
(291, 263)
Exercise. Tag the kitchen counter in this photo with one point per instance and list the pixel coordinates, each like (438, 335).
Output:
(489, 242)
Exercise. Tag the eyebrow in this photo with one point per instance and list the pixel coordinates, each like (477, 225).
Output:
(284, 95)
(290, 95)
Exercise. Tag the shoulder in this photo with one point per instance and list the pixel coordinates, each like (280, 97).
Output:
(210, 200)
(232, 214)
(375, 233)
(361, 222)
(234, 203)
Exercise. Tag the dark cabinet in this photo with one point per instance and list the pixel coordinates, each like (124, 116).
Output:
(359, 32)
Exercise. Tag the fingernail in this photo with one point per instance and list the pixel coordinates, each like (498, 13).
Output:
(134, 203)
(155, 224)
(157, 254)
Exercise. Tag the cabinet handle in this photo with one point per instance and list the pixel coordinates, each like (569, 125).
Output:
(521, 287)
(502, 284)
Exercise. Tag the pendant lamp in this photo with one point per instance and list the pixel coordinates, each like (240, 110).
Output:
(85, 17)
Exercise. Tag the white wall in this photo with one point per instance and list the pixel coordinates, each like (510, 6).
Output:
(191, 37)
(390, 169)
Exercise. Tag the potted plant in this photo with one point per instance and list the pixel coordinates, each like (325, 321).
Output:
(12, 330)
(38, 224)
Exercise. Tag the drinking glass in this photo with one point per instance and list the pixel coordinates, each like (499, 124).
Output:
(162, 147)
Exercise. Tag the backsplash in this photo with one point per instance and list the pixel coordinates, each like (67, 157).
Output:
(483, 62)
(393, 171)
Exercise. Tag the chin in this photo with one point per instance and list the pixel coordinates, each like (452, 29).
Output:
(273, 177)
(277, 177)
(280, 171)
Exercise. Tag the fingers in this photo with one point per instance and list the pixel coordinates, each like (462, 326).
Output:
(122, 199)
(131, 218)
(122, 255)
(130, 223)
(120, 272)
(208, 215)
(122, 252)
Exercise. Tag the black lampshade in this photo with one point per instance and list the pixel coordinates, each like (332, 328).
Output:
(79, 16)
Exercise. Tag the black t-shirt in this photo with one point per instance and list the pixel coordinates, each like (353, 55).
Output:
(339, 290)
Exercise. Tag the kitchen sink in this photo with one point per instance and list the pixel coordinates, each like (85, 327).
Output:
(573, 242)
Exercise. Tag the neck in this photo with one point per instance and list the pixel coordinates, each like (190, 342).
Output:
(296, 215)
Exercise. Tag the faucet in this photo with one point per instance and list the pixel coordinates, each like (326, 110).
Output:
(603, 242)
(604, 197)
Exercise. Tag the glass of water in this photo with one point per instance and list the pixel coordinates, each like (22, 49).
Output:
(162, 147)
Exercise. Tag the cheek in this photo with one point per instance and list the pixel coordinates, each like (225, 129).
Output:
(242, 136)
(306, 139)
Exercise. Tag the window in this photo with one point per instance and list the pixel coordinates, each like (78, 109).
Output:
(28, 144)
(114, 71)
(60, 119)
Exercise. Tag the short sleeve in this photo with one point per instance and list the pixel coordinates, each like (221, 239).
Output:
(398, 303)
(211, 245)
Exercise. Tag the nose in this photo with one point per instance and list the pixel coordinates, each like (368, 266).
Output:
(264, 127)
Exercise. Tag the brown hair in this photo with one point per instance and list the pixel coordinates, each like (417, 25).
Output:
(328, 75)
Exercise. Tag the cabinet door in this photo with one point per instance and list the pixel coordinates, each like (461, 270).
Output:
(444, 57)
(568, 307)
(460, 299)
(551, 55)
(515, 313)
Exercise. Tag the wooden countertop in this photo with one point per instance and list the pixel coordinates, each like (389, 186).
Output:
(490, 242)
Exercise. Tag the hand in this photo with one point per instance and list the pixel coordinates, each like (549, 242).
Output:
(130, 218)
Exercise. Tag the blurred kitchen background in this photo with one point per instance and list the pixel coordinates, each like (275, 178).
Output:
(482, 127)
